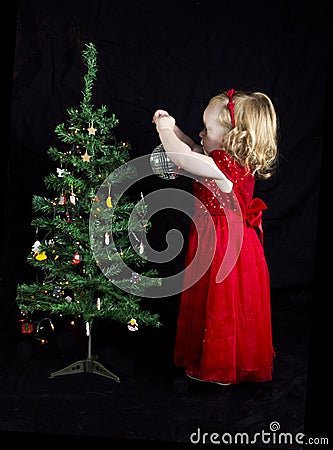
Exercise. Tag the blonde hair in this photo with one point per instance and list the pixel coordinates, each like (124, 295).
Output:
(253, 140)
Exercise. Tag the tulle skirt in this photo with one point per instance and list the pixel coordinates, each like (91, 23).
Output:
(224, 328)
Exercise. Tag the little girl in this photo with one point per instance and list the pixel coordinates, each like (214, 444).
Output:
(224, 330)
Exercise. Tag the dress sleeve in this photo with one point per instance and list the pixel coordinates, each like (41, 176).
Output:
(227, 165)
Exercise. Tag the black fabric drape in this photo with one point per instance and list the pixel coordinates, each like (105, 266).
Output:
(174, 56)
(176, 60)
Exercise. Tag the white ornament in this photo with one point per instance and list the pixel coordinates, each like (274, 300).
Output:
(60, 172)
(35, 247)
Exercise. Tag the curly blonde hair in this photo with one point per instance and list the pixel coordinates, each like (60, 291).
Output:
(253, 139)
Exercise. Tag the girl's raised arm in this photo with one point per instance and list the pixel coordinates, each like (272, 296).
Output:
(178, 147)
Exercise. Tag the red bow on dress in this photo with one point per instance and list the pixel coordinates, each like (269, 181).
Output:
(254, 215)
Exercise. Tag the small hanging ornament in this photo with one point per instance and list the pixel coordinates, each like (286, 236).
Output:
(109, 202)
(77, 258)
(68, 217)
(60, 172)
(132, 325)
(107, 238)
(135, 278)
(68, 298)
(57, 292)
(62, 200)
(72, 197)
(91, 129)
(141, 248)
(41, 256)
(35, 248)
(27, 328)
(86, 157)
(98, 303)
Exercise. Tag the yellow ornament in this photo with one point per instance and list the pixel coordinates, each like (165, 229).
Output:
(109, 202)
(86, 157)
(91, 129)
(132, 325)
(41, 256)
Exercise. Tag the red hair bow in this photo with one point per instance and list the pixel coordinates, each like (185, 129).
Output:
(231, 106)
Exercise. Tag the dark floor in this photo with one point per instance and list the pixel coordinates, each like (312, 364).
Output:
(153, 402)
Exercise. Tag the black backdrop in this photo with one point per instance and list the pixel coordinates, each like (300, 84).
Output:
(173, 55)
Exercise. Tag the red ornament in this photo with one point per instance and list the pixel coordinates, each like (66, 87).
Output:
(27, 328)
(77, 258)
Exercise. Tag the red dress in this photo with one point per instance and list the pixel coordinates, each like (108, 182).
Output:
(224, 327)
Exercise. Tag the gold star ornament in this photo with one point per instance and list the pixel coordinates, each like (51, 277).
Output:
(92, 130)
(86, 157)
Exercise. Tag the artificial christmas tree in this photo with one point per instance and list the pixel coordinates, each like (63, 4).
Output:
(73, 226)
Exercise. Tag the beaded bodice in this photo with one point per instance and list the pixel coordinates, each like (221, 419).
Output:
(210, 197)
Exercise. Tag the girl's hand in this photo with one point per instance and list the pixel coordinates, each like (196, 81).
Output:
(160, 113)
(163, 120)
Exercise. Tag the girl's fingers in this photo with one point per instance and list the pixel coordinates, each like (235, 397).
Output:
(159, 113)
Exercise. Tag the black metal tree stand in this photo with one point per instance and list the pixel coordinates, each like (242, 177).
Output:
(88, 365)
